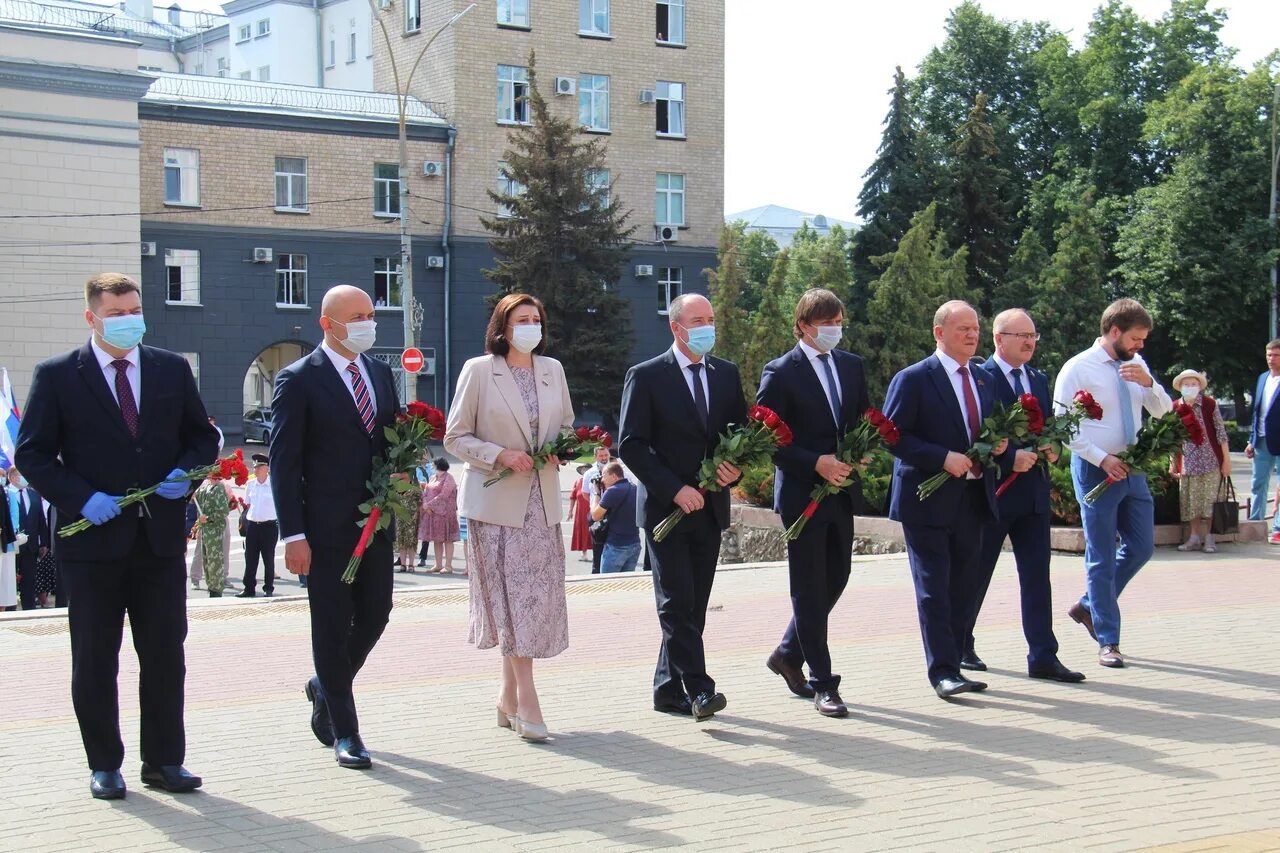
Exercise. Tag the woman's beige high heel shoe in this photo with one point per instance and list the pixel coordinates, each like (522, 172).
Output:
(505, 720)
(531, 731)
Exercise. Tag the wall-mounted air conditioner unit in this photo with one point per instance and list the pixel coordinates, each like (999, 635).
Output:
(262, 255)
(646, 96)
(666, 233)
(566, 86)
(644, 270)
(435, 262)
(432, 168)
(148, 250)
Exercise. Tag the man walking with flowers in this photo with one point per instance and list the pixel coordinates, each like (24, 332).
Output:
(1119, 380)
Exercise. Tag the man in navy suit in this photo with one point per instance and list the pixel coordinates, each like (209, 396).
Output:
(30, 522)
(104, 419)
(1264, 437)
(674, 408)
(1024, 506)
(328, 414)
(938, 405)
(821, 393)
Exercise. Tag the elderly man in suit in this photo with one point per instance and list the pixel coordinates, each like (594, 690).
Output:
(329, 414)
(1264, 438)
(821, 392)
(104, 419)
(938, 405)
(674, 407)
(1024, 506)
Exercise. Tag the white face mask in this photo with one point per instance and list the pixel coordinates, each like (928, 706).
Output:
(526, 336)
(360, 334)
(1190, 390)
(827, 338)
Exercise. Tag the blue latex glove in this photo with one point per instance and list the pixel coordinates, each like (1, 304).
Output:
(100, 508)
(172, 489)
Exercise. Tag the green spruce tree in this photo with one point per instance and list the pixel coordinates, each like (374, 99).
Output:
(978, 209)
(725, 285)
(771, 324)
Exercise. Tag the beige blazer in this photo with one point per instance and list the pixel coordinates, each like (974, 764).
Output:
(488, 416)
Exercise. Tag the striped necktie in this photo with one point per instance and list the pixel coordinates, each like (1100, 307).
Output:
(363, 404)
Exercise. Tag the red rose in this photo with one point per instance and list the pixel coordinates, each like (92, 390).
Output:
(875, 416)
(783, 433)
(582, 433)
(1091, 408)
(594, 433)
(772, 421)
(606, 440)
(418, 409)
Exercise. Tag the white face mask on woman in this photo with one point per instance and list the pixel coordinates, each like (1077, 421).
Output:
(1190, 390)
(526, 337)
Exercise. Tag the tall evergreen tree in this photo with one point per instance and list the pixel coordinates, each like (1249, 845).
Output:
(565, 242)
(770, 326)
(725, 285)
(979, 206)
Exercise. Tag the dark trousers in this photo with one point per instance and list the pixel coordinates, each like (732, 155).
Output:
(1030, 537)
(818, 563)
(597, 549)
(260, 541)
(25, 563)
(152, 590)
(684, 568)
(346, 622)
(944, 569)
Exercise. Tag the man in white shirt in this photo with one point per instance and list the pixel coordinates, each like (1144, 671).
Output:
(1264, 437)
(1120, 382)
(261, 531)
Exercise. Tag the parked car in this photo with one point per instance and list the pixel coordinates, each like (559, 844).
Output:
(257, 425)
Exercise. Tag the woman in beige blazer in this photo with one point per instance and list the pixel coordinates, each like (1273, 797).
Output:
(509, 403)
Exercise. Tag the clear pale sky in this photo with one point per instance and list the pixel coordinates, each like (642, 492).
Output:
(806, 83)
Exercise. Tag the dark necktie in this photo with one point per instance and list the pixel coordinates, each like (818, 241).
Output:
(1018, 387)
(363, 404)
(124, 396)
(971, 414)
(699, 396)
(833, 391)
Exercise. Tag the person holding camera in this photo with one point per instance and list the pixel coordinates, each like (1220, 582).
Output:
(617, 504)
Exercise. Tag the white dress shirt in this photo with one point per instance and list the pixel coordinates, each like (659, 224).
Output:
(262, 504)
(1007, 369)
(1264, 405)
(133, 373)
(816, 363)
(1093, 371)
(684, 362)
(340, 363)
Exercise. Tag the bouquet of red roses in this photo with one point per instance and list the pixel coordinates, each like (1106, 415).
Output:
(1158, 438)
(392, 481)
(1011, 423)
(740, 446)
(569, 444)
(1058, 430)
(855, 445)
(229, 468)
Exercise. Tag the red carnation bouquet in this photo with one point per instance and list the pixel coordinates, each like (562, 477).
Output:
(229, 468)
(392, 481)
(1012, 422)
(569, 444)
(740, 446)
(855, 445)
(1057, 430)
(1158, 438)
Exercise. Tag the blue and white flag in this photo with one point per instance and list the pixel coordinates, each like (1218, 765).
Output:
(10, 417)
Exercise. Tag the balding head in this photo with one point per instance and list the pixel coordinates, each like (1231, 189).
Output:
(955, 328)
(691, 302)
(343, 304)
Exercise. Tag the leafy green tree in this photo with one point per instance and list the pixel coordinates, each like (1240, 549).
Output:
(1028, 264)
(770, 326)
(758, 252)
(725, 285)
(562, 242)
(820, 261)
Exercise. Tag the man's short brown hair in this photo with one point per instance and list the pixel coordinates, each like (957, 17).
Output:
(1125, 314)
(614, 468)
(495, 341)
(817, 303)
(1275, 344)
(107, 282)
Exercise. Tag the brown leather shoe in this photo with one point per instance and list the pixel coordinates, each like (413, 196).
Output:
(1109, 655)
(1080, 614)
(829, 704)
(796, 682)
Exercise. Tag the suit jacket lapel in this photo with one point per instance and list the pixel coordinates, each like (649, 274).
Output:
(546, 399)
(942, 383)
(1004, 392)
(510, 393)
(848, 393)
(150, 385)
(808, 377)
(691, 408)
(336, 385)
(97, 382)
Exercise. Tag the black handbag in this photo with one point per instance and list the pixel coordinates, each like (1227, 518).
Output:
(1226, 509)
(600, 529)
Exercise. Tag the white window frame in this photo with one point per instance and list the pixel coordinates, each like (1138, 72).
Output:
(668, 276)
(193, 359)
(389, 272)
(412, 16)
(244, 33)
(295, 185)
(593, 99)
(590, 13)
(262, 28)
(386, 191)
(513, 13)
(598, 183)
(508, 185)
(245, 75)
(333, 53)
(264, 73)
(291, 271)
(351, 46)
(186, 263)
(186, 163)
(669, 102)
(675, 12)
(224, 65)
(513, 94)
(666, 196)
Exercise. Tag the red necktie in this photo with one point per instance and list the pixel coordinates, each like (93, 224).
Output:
(971, 414)
(124, 396)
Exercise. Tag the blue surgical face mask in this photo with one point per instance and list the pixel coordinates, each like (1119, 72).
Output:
(827, 338)
(123, 332)
(701, 339)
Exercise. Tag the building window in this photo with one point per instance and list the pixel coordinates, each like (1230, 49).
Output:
(514, 13)
(351, 46)
(670, 28)
(670, 199)
(593, 101)
(223, 66)
(193, 359)
(264, 28)
(593, 17)
(412, 15)
(245, 75)
(264, 73)
(182, 276)
(291, 280)
(670, 286)
(244, 33)
(182, 176)
(291, 183)
(507, 186)
(513, 94)
(670, 108)
(598, 185)
(386, 283)
(386, 189)
(333, 54)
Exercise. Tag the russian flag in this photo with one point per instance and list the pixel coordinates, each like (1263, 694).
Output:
(11, 417)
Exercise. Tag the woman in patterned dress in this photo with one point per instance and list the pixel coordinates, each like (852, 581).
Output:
(1199, 468)
(507, 404)
(439, 516)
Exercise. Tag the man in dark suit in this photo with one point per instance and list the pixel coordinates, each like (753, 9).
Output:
(938, 405)
(821, 393)
(674, 408)
(1264, 438)
(1024, 506)
(104, 419)
(329, 413)
(31, 523)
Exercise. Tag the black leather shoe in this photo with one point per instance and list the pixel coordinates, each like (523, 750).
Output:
(106, 785)
(973, 662)
(674, 706)
(796, 682)
(321, 725)
(174, 778)
(267, 593)
(705, 705)
(244, 593)
(351, 753)
(950, 686)
(1055, 671)
(829, 704)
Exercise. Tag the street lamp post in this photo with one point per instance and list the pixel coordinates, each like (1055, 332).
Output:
(406, 240)
(1271, 211)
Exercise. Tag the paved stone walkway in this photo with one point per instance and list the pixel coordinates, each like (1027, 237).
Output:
(1181, 749)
